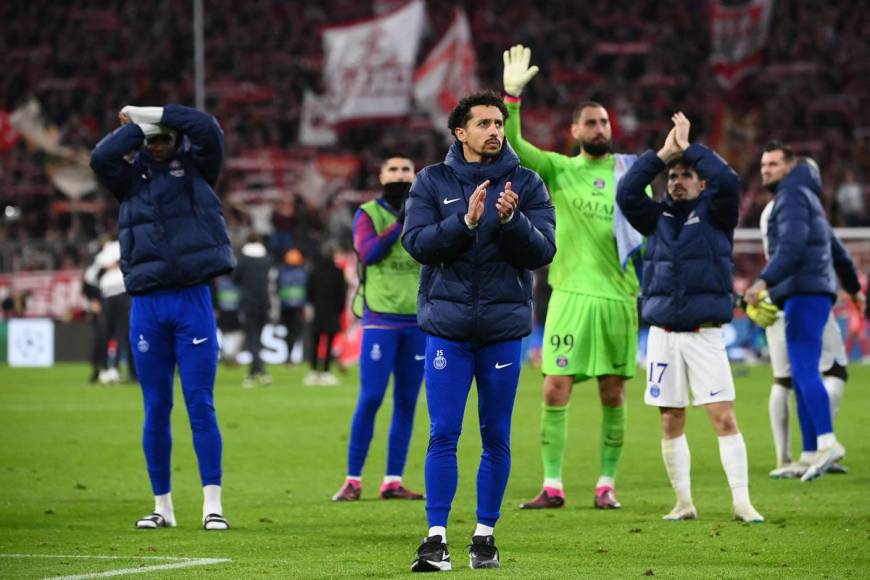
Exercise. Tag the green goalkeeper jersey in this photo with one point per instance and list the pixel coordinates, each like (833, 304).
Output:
(584, 195)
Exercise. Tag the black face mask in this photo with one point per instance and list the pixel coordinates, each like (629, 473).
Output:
(396, 192)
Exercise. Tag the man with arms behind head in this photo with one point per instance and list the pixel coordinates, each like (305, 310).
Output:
(591, 325)
(475, 305)
(173, 242)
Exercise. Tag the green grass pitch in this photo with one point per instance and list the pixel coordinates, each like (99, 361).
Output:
(73, 480)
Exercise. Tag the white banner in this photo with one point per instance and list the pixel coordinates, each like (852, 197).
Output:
(315, 127)
(368, 67)
(448, 73)
(739, 34)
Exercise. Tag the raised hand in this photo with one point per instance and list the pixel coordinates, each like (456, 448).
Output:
(506, 203)
(476, 204)
(517, 72)
(682, 126)
(670, 149)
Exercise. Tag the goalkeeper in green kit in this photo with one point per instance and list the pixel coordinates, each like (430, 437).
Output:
(591, 326)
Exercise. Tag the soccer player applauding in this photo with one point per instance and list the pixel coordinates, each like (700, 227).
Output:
(687, 296)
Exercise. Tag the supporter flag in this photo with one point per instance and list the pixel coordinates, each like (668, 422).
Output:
(447, 74)
(739, 34)
(369, 66)
(315, 127)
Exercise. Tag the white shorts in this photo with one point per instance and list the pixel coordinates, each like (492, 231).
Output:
(833, 350)
(679, 362)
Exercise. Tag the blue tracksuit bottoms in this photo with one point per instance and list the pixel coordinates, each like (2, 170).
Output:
(170, 327)
(450, 368)
(805, 318)
(385, 351)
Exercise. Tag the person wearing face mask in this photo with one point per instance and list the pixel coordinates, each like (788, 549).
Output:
(392, 344)
(686, 298)
(162, 165)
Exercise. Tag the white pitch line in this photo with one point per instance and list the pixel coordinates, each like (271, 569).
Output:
(179, 563)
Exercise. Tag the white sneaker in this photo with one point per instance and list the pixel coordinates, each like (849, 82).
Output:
(791, 470)
(109, 376)
(746, 513)
(265, 379)
(823, 461)
(312, 378)
(248, 383)
(155, 520)
(680, 513)
(328, 379)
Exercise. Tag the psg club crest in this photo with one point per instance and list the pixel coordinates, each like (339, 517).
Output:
(142, 345)
(599, 183)
(376, 352)
(439, 362)
(561, 361)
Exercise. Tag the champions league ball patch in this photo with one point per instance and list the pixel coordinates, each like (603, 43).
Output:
(142, 345)
(561, 361)
(599, 183)
(439, 362)
(654, 391)
(376, 352)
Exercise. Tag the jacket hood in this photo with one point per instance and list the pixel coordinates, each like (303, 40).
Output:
(803, 175)
(473, 173)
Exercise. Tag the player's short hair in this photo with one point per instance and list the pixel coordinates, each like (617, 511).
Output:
(681, 162)
(391, 154)
(461, 113)
(578, 110)
(787, 153)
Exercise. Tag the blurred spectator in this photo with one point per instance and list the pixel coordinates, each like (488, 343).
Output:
(850, 199)
(292, 282)
(252, 277)
(327, 292)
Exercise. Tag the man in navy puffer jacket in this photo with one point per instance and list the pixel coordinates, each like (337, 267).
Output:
(161, 165)
(475, 304)
(800, 278)
(686, 294)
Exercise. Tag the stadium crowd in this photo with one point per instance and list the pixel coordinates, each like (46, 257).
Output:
(262, 56)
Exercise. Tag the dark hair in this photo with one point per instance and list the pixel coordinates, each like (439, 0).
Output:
(680, 161)
(787, 153)
(461, 113)
(584, 105)
(392, 154)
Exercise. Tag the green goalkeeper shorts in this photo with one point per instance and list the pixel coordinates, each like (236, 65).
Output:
(586, 336)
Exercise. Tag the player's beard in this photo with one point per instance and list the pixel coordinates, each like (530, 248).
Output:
(597, 148)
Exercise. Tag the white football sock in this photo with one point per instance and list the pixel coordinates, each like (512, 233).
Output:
(552, 482)
(826, 440)
(392, 478)
(482, 530)
(438, 531)
(163, 505)
(780, 422)
(605, 481)
(211, 500)
(732, 452)
(678, 464)
(835, 387)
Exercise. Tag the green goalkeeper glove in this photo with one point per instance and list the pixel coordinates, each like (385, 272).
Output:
(517, 72)
(764, 314)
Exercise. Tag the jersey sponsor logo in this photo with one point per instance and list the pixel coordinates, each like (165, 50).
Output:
(501, 366)
(440, 361)
(655, 391)
(419, 357)
(199, 340)
(376, 353)
(142, 345)
(449, 201)
(594, 209)
(561, 361)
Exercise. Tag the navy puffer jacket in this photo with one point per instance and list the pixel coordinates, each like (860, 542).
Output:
(687, 264)
(476, 285)
(172, 228)
(805, 256)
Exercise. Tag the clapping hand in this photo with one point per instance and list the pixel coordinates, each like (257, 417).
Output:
(507, 203)
(476, 205)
